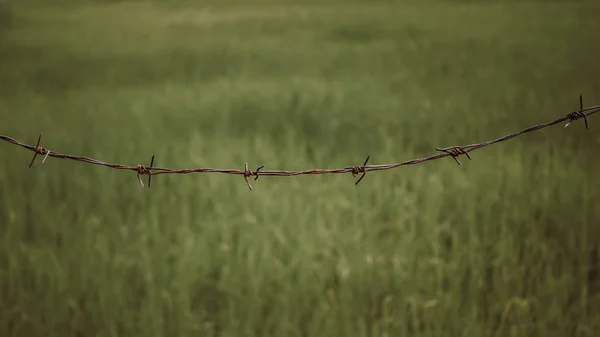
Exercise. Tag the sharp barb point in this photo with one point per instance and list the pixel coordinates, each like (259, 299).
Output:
(46, 156)
(32, 160)
(246, 175)
(248, 183)
(140, 179)
(149, 170)
(361, 178)
(258, 169)
(581, 112)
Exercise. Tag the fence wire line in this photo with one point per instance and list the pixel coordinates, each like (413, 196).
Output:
(453, 151)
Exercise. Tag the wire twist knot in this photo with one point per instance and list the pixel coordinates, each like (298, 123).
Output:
(455, 151)
(250, 173)
(575, 115)
(356, 170)
(39, 150)
(145, 170)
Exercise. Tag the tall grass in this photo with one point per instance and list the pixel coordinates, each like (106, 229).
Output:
(505, 245)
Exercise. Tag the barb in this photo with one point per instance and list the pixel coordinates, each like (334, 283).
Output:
(455, 151)
(258, 169)
(247, 173)
(578, 114)
(39, 150)
(145, 170)
(452, 151)
(358, 169)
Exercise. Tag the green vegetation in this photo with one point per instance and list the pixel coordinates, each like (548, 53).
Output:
(505, 245)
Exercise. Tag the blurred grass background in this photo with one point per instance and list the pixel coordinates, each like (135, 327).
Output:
(505, 245)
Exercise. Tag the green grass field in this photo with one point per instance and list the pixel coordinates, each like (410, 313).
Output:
(504, 245)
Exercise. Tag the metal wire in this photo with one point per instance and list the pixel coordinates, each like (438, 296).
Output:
(453, 151)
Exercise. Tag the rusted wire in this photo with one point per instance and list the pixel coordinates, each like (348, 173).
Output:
(452, 151)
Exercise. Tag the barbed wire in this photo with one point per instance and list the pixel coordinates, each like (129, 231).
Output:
(452, 151)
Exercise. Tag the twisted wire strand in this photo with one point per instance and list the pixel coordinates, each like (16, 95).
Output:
(452, 151)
